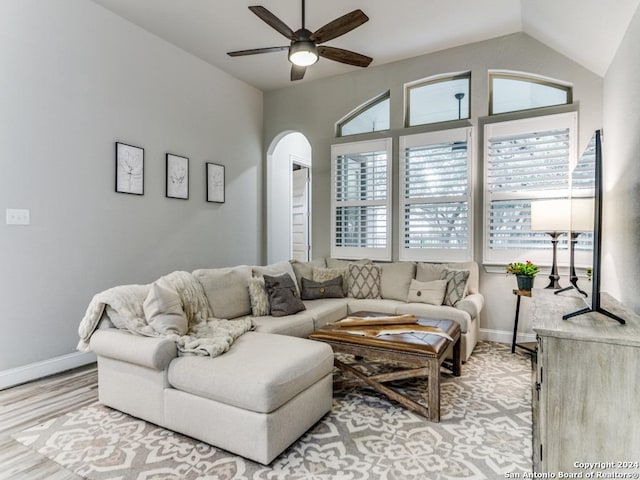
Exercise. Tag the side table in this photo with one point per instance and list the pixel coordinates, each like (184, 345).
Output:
(519, 294)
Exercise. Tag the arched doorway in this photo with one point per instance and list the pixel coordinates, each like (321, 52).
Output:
(289, 198)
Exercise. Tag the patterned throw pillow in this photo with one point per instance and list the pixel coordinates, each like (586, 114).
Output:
(283, 295)
(456, 286)
(331, 288)
(427, 292)
(324, 274)
(259, 300)
(364, 281)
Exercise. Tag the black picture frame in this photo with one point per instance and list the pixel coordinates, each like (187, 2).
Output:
(129, 169)
(215, 175)
(177, 177)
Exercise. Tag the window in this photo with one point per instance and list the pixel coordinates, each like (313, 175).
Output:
(511, 92)
(372, 117)
(525, 160)
(438, 99)
(361, 200)
(435, 200)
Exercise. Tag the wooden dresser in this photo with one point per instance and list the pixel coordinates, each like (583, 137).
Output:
(586, 387)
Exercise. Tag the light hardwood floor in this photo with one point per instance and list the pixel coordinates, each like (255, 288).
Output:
(26, 405)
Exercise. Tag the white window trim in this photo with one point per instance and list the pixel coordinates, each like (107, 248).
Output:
(437, 255)
(548, 122)
(383, 254)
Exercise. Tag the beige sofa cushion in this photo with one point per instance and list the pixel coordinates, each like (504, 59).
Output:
(305, 269)
(276, 269)
(326, 310)
(395, 279)
(426, 272)
(337, 263)
(371, 305)
(260, 372)
(296, 325)
(227, 290)
(473, 286)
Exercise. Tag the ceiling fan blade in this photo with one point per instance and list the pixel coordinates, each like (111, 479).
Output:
(339, 26)
(254, 51)
(273, 21)
(344, 56)
(297, 72)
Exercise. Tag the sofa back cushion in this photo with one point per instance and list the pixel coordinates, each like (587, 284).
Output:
(276, 269)
(473, 285)
(395, 279)
(227, 290)
(305, 269)
(427, 272)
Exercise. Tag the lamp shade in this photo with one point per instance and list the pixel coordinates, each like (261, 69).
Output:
(303, 53)
(582, 215)
(551, 215)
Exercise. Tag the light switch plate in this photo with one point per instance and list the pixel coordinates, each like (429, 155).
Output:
(18, 216)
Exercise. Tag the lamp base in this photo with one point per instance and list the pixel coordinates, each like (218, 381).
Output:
(554, 282)
(554, 276)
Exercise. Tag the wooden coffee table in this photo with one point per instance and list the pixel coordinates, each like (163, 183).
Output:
(423, 351)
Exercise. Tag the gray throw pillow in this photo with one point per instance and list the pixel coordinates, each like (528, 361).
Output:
(456, 286)
(328, 289)
(283, 295)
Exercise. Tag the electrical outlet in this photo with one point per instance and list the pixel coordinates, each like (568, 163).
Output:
(18, 216)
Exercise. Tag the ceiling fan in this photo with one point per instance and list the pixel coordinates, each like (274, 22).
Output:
(305, 47)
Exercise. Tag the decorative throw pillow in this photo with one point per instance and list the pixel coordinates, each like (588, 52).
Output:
(427, 292)
(259, 298)
(364, 281)
(337, 263)
(283, 296)
(456, 285)
(324, 274)
(163, 310)
(427, 272)
(312, 290)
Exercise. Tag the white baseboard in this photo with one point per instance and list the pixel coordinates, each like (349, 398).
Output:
(33, 371)
(502, 336)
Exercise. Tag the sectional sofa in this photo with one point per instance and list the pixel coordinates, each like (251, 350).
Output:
(272, 384)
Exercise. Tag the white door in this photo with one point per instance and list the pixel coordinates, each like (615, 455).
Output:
(300, 214)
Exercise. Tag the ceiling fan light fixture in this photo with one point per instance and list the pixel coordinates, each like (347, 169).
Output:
(303, 53)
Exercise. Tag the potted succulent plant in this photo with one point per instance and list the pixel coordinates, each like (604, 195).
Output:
(525, 273)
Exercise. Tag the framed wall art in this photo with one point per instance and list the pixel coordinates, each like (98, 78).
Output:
(215, 183)
(129, 169)
(177, 177)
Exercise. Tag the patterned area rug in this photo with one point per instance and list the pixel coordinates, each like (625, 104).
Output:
(485, 432)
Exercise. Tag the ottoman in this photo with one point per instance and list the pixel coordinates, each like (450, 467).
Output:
(256, 399)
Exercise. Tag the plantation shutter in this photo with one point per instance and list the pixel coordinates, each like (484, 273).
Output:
(525, 160)
(361, 200)
(435, 203)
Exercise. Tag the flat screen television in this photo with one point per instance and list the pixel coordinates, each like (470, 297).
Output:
(594, 299)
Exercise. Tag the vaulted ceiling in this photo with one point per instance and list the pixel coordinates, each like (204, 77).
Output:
(587, 31)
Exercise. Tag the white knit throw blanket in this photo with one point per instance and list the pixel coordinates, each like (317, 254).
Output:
(206, 335)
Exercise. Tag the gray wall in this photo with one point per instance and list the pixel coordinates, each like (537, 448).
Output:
(621, 213)
(313, 108)
(74, 78)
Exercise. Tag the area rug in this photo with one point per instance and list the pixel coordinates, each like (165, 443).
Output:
(484, 433)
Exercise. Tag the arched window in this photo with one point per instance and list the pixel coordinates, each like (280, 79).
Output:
(438, 99)
(373, 116)
(513, 92)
